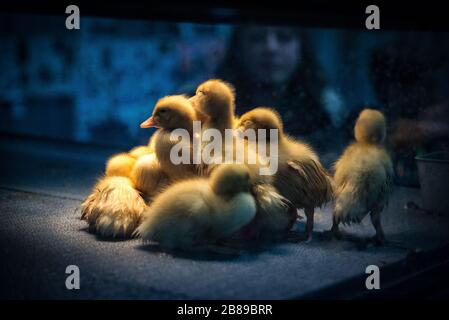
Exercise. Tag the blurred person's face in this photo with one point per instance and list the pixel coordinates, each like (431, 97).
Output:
(270, 54)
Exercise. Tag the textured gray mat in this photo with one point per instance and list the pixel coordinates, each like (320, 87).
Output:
(41, 235)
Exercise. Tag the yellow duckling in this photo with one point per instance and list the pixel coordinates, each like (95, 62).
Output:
(215, 102)
(123, 163)
(148, 177)
(120, 165)
(363, 175)
(196, 213)
(140, 151)
(170, 113)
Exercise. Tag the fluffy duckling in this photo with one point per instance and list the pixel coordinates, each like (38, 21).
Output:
(114, 207)
(147, 174)
(363, 175)
(300, 176)
(120, 165)
(140, 151)
(148, 177)
(215, 103)
(170, 113)
(196, 213)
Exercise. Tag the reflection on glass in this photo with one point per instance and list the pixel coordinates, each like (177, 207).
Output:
(98, 84)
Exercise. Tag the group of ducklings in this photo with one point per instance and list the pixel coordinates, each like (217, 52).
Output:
(190, 206)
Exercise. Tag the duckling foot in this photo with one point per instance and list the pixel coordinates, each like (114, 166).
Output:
(334, 232)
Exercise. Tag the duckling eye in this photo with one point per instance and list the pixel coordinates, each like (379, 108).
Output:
(162, 111)
(200, 93)
(248, 123)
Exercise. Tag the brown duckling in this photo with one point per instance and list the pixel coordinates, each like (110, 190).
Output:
(300, 176)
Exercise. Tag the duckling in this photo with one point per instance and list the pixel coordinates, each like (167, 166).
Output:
(147, 174)
(196, 213)
(300, 176)
(114, 207)
(215, 102)
(148, 177)
(170, 113)
(120, 165)
(140, 151)
(363, 175)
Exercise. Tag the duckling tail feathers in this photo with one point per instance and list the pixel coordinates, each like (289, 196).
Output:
(349, 204)
(358, 195)
(114, 207)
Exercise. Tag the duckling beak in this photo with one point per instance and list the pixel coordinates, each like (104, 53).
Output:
(149, 123)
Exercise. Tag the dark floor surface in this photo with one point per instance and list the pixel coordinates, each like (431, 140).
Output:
(43, 183)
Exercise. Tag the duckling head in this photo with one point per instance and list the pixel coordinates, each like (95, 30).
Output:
(171, 112)
(261, 118)
(230, 179)
(214, 98)
(370, 126)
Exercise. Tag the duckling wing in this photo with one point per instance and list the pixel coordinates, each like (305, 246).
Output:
(178, 217)
(189, 213)
(275, 213)
(232, 215)
(350, 205)
(166, 149)
(312, 181)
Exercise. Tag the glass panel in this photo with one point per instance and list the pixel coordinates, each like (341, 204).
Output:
(96, 84)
